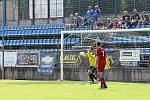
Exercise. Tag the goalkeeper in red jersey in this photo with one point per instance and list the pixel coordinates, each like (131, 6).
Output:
(100, 62)
(92, 60)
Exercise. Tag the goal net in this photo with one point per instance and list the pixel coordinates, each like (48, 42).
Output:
(129, 48)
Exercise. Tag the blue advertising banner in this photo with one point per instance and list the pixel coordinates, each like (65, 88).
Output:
(47, 62)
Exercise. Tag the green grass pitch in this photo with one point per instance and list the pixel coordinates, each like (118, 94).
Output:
(71, 90)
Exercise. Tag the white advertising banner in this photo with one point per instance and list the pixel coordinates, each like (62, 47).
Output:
(10, 59)
(129, 55)
(17, 59)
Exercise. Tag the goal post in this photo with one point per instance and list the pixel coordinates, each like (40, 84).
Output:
(61, 55)
(102, 35)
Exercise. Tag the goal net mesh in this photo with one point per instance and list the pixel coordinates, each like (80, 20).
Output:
(129, 49)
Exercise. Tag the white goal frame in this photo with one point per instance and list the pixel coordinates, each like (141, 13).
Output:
(91, 31)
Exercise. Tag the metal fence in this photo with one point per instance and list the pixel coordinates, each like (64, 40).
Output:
(28, 12)
(107, 6)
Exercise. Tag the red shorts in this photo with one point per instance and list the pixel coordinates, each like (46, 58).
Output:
(101, 67)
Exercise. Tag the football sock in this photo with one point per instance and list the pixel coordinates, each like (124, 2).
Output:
(91, 77)
(104, 83)
(101, 81)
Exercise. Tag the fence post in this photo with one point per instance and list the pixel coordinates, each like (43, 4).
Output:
(3, 32)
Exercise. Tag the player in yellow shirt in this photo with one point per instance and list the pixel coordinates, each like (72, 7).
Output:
(108, 65)
(92, 61)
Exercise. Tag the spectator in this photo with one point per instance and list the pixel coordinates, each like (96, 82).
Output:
(71, 22)
(88, 21)
(146, 20)
(99, 25)
(116, 24)
(78, 20)
(126, 24)
(109, 24)
(139, 24)
(135, 15)
(89, 13)
(97, 13)
(134, 22)
(126, 15)
(142, 17)
(134, 18)
(120, 22)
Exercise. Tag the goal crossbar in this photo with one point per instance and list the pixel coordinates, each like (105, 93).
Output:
(106, 31)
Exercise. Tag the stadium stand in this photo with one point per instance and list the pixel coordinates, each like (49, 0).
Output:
(35, 35)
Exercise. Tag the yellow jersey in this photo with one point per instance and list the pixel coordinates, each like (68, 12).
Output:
(108, 62)
(91, 57)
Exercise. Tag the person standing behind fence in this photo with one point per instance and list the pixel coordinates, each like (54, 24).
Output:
(126, 15)
(89, 17)
(100, 62)
(78, 20)
(89, 13)
(135, 17)
(71, 22)
(97, 13)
